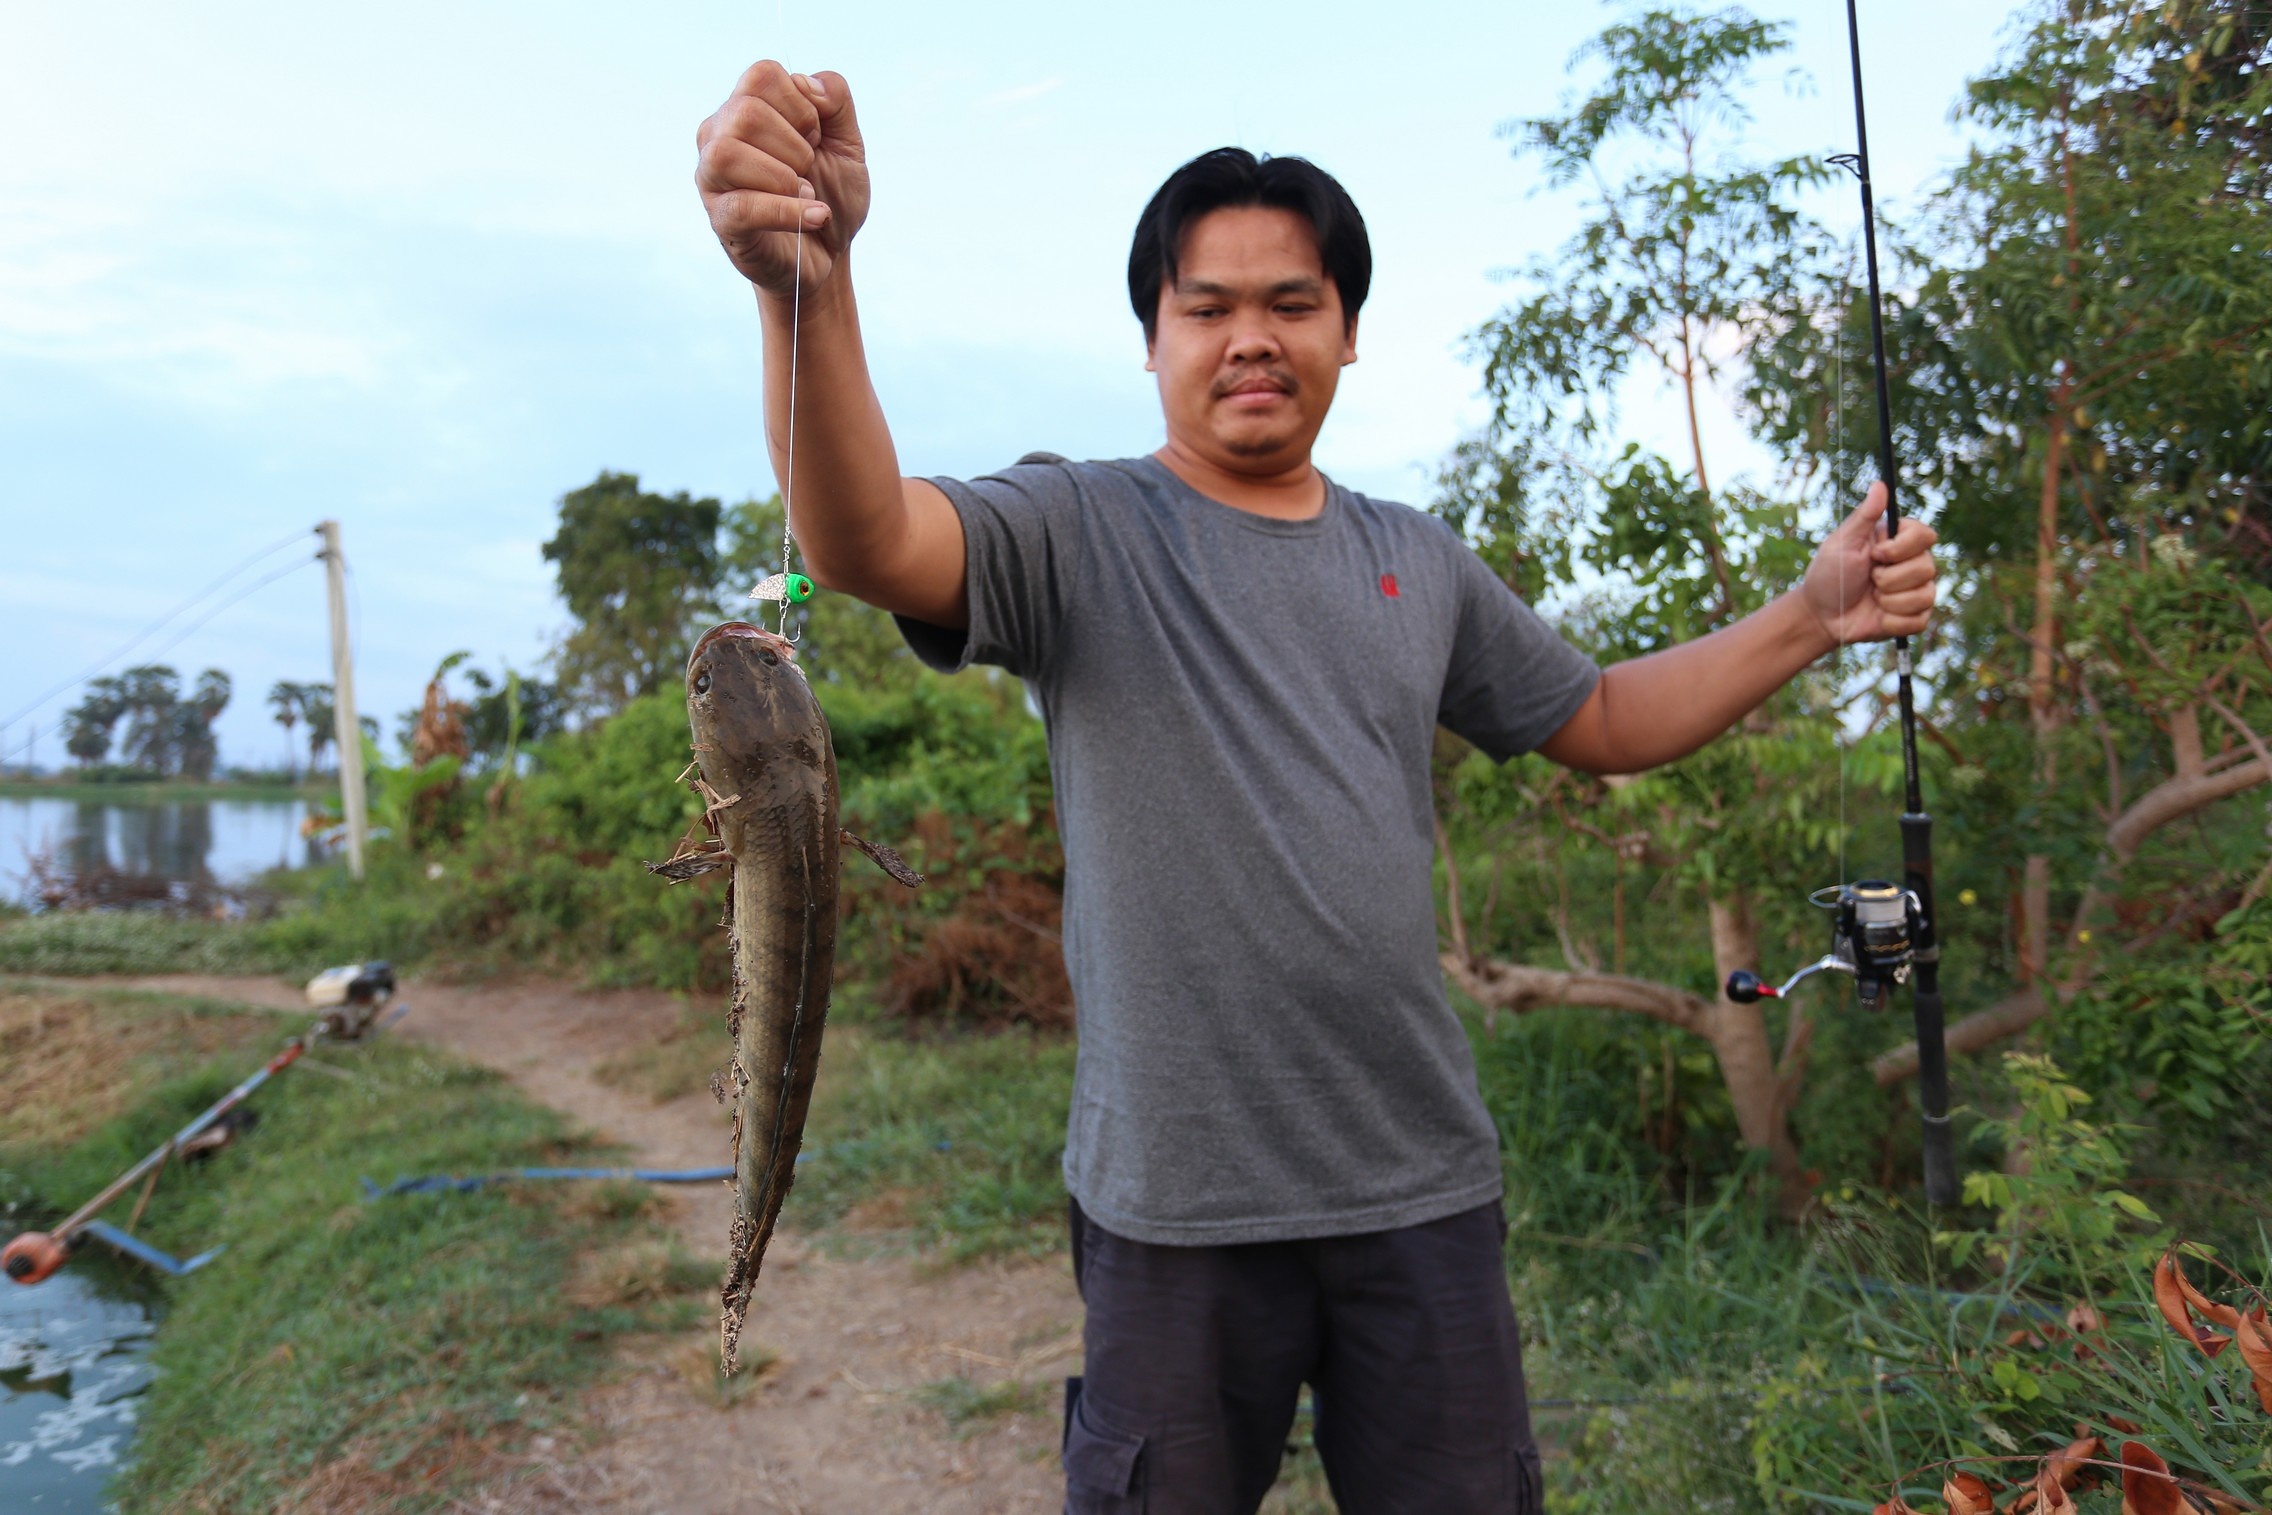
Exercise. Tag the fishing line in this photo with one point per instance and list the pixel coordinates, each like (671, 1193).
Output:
(156, 626)
(789, 474)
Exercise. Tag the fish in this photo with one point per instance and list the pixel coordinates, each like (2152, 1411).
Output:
(765, 768)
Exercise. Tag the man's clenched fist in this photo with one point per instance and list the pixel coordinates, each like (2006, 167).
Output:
(783, 156)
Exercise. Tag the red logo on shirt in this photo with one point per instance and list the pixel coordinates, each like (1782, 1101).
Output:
(1388, 585)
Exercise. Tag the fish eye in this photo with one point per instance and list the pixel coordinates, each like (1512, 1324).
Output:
(771, 657)
(702, 682)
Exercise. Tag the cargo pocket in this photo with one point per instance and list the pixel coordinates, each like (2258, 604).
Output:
(1101, 1466)
(1526, 1480)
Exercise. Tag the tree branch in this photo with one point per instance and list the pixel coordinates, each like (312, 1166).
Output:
(2171, 800)
(1519, 988)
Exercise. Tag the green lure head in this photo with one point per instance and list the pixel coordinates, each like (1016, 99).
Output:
(798, 589)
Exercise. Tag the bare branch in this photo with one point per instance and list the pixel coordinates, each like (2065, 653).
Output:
(1519, 988)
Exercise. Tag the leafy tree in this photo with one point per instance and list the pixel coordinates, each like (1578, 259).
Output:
(840, 639)
(636, 570)
(316, 709)
(148, 696)
(87, 725)
(1679, 265)
(509, 713)
(2088, 390)
(287, 702)
(195, 751)
(2081, 389)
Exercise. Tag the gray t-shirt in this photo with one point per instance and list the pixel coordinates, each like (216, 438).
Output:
(1240, 713)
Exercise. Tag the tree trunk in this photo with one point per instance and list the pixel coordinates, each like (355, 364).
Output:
(1738, 1034)
(2042, 704)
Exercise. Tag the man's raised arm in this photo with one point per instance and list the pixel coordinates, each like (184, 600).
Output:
(784, 176)
(1862, 586)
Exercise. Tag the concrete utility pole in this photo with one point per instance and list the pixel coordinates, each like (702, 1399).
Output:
(347, 731)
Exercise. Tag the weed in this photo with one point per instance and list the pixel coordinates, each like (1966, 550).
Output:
(697, 1365)
(963, 1133)
(967, 1405)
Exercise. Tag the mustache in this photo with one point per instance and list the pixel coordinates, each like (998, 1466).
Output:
(1280, 378)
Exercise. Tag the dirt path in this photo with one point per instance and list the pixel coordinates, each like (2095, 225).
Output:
(833, 1427)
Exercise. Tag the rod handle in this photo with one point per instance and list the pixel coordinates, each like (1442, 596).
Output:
(1941, 1185)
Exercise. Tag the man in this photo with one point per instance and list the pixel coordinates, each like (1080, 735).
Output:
(1281, 1169)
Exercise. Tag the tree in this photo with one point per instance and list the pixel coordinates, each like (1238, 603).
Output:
(1678, 267)
(147, 697)
(2088, 391)
(840, 639)
(2081, 388)
(316, 709)
(636, 571)
(287, 700)
(87, 725)
(195, 751)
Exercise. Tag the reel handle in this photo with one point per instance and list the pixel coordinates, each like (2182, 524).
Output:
(1748, 988)
(32, 1257)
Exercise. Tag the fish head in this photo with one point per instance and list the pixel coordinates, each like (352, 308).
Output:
(758, 730)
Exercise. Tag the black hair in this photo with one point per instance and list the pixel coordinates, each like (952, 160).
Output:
(1232, 176)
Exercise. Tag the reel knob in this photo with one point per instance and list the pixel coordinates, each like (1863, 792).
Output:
(1748, 988)
(31, 1257)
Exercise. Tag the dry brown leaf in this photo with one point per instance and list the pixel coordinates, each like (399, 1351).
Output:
(2050, 1493)
(2147, 1488)
(2073, 1464)
(2173, 1295)
(1894, 1506)
(2081, 1318)
(1967, 1494)
(2253, 1331)
(2223, 1315)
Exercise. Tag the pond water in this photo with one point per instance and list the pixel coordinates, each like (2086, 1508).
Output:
(73, 1361)
(225, 842)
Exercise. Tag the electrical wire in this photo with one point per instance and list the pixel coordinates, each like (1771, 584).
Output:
(155, 627)
(178, 638)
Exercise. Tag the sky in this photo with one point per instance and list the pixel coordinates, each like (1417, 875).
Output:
(423, 268)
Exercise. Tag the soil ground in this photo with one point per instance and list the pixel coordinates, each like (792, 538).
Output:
(844, 1420)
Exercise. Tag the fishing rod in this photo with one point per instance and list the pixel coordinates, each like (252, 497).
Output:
(356, 993)
(35, 1255)
(1882, 934)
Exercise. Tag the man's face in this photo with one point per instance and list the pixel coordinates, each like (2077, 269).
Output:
(1250, 342)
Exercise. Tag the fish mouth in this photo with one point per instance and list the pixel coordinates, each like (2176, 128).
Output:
(779, 644)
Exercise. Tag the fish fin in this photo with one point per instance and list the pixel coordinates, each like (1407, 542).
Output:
(885, 858)
(691, 865)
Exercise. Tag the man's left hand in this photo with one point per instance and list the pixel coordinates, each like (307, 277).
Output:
(1864, 586)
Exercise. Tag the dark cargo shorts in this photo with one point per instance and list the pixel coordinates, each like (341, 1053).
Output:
(1197, 1357)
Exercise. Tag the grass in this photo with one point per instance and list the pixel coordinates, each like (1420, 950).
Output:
(968, 1406)
(341, 1355)
(947, 1142)
(161, 791)
(79, 942)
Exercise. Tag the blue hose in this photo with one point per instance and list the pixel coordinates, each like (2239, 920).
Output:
(443, 1183)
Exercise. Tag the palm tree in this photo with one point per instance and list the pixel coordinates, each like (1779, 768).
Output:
(194, 747)
(287, 699)
(315, 708)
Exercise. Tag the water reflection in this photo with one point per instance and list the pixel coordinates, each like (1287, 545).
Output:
(198, 844)
(73, 1358)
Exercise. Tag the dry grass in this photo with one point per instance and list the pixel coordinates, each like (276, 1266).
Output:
(71, 1059)
(676, 1063)
(637, 1271)
(696, 1363)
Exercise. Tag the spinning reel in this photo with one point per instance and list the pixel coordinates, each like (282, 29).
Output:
(1878, 932)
